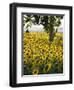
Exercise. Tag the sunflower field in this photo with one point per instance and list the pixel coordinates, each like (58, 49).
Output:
(40, 56)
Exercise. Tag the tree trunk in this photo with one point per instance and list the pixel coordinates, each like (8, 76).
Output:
(51, 35)
(51, 28)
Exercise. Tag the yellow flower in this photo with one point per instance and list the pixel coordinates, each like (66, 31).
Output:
(48, 66)
(37, 50)
(25, 61)
(35, 72)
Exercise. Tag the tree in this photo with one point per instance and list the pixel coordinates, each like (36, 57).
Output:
(49, 23)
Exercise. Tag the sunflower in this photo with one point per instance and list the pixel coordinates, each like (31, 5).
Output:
(38, 52)
(25, 61)
(35, 72)
(48, 67)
